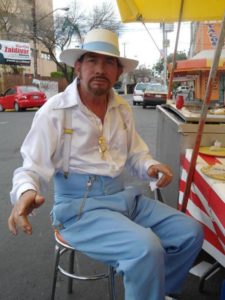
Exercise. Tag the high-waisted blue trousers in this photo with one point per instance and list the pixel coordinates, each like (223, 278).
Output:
(151, 244)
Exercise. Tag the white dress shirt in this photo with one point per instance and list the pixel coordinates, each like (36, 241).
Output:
(43, 146)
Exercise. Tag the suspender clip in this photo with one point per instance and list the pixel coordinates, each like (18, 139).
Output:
(68, 131)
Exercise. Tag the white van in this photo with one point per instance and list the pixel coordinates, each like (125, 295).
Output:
(139, 92)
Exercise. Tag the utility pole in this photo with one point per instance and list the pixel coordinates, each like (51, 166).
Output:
(34, 38)
(166, 27)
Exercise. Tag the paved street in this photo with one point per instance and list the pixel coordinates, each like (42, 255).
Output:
(26, 262)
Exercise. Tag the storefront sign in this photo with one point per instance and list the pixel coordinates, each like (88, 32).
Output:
(15, 53)
(212, 35)
(185, 78)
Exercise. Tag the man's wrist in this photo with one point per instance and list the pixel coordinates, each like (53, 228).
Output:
(32, 190)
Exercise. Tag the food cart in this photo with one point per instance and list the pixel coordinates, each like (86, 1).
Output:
(173, 11)
(199, 196)
(176, 132)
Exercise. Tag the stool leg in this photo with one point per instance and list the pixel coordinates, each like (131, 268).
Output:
(158, 195)
(71, 270)
(55, 270)
(111, 283)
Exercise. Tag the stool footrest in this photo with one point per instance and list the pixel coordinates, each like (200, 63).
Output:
(80, 277)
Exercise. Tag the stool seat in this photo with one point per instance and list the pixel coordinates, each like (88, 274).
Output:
(61, 247)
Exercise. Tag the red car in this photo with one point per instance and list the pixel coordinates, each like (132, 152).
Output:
(154, 94)
(22, 97)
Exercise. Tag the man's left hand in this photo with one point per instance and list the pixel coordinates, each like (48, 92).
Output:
(167, 174)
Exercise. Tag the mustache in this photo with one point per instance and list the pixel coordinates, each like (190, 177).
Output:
(100, 77)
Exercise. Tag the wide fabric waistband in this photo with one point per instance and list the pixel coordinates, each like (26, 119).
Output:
(77, 184)
(80, 194)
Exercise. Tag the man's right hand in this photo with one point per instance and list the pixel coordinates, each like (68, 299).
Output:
(18, 218)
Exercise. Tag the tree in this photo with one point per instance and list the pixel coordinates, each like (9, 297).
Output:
(17, 24)
(158, 67)
(143, 74)
(12, 25)
(72, 30)
(12, 16)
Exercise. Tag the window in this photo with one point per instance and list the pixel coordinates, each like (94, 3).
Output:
(10, 91)
(28, 89)
(45, 55)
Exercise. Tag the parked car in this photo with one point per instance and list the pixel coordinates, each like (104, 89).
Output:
(139, 92)
(155, 94)
(22, 97)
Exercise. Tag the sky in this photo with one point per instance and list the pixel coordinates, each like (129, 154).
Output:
(134, 40)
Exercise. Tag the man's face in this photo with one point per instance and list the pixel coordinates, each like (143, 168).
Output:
(97, 73)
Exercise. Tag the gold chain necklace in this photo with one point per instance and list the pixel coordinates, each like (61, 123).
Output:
(102, 146)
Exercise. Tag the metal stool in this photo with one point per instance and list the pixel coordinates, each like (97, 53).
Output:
(61, 248)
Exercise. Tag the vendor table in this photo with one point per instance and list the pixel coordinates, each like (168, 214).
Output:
(206, 203)
(176, 133)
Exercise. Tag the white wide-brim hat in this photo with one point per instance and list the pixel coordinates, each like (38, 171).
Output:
(99, 41)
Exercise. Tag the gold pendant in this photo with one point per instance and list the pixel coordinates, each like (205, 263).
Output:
(102, 146)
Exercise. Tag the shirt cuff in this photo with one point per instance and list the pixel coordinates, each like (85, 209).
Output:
(24, 188)
(148, 164)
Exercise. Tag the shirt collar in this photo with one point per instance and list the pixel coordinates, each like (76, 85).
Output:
(71, 98)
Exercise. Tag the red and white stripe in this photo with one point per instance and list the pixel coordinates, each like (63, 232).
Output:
(206, 203)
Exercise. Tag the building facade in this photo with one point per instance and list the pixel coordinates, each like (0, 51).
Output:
(23, 22)
(195, 70)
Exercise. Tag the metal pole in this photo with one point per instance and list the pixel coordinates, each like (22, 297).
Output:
(51, 12)
(34, 38)
(149, 33)
(204, 111)
(164, 53)
(169, 96)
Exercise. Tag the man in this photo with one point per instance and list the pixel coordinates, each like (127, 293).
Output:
(85, 137)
